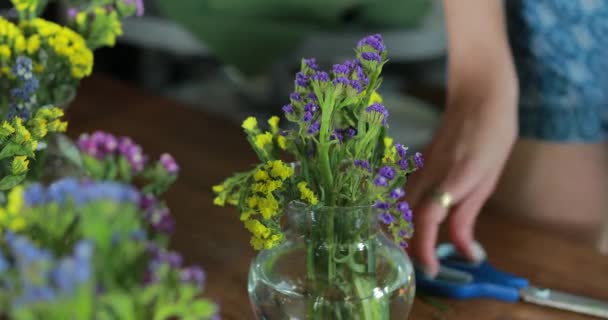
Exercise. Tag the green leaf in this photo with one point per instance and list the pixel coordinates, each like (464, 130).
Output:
(93, 167)
(68, 149)
(14, 149)
(124, 169)
(119, 305)
(11, 181)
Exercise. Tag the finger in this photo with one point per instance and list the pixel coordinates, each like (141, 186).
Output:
(461, 223)
(427, 220)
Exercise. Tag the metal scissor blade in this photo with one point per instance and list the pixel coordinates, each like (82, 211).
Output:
(565, 301)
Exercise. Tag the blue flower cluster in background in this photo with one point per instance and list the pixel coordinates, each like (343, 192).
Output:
(23, 97)
(80, 192)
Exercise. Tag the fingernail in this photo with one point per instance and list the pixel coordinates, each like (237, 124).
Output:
(478, 253)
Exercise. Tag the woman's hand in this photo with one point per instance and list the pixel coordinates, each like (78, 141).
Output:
(478, 129)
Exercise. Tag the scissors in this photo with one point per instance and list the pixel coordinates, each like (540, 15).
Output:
(459, 278)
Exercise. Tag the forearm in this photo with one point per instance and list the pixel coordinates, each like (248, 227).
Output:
(478, 47)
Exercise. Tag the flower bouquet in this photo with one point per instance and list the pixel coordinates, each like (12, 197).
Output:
(95, 247)
(346, 174)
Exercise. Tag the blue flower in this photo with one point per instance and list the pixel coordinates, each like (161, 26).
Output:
(377, 113)
(301, 80)
(320, 76)
(387, 172)
(397, 193)
(307, 116)
(295, 97)
(418, 160)
(401, 150)
(383, 205)
(363, 164)
(386, 218)
(314, 128)
(341, 69)
(403, 164)
(311, 63)
(381, 181)
(311, 107)
(371, 56)
(374, 41)
(288, 108)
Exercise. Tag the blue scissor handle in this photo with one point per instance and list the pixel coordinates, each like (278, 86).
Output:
(461, 279)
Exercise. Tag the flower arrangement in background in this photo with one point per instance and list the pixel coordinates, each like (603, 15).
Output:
(61, 55)
(93, 244)
(81, 249)
(337, 136)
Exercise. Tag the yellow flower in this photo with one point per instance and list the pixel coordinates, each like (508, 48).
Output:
(10, 217)
(263, 139)
(246, 215)
(218, 188)
(6, 130)
(33, 44)
(282, 142)
(274, 124)
(374, 98)
(279, 169)
(219, 201)
(20, 44)
(25, 5)
(250, 124)
(22, 135)
(306, 194)
(261, 175)
(257, 243)
(38, 127)
(252, 202)
(257, 228)
(5, 52)
(19, 165)
(268, 207)
(58, 126)
(81, 20)
(390, 152)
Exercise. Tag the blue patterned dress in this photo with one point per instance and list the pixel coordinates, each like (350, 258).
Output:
(560, 49)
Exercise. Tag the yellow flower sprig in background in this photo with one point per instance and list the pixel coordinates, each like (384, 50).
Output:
(11, 217)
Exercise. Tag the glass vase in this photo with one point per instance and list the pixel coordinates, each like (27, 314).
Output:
(335, 263)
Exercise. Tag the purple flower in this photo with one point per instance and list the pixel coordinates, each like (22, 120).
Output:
(383, 205)
(314, 128)
(381, 181)
(405, 210)
(168, 162)
(401, 150)
(320, 76)
(386, 218)
(194, 275)
(72, 12)
(407, 216)
(139, 6)
(295, 97)
(307, 116)
(341, 69)
(311, 63)
(337, 135)
(403, 206)
(402, 233)
(403, 244)
(312, 96)
(375, 41)
(351, 132)
(301, 79)
(371, 56)
(311, 107)
(288, 108)
(377, 113)
(397, 193)
(341, 81)
(147, 201)
(161, 220)
(356, 85)
(361, 75)
(363, 164)
(403, 164)
(418, 160)
(387, 172)
(352, 64)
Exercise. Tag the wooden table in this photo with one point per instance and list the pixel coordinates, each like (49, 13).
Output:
(209, 148)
